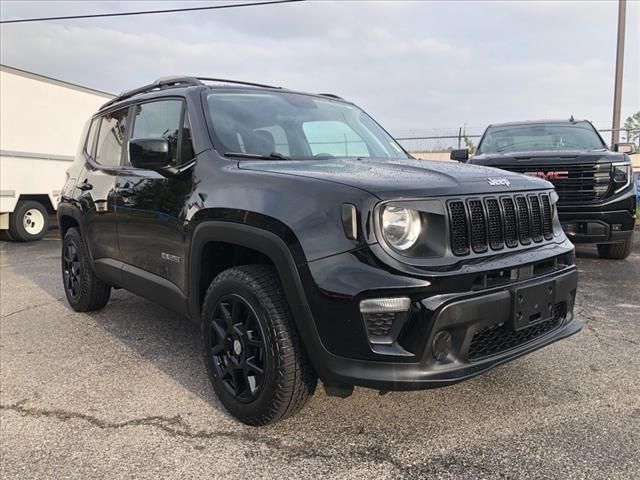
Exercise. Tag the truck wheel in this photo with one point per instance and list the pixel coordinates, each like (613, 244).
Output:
(29, 221)
(616, 251)
(253, 353)
(84, 291)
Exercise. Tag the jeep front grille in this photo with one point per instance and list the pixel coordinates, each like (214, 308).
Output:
(478, 224)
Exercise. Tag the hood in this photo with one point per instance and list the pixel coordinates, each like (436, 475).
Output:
(547, 157)
(389, 179)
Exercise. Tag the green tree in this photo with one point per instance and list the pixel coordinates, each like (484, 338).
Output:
(468, 142)
(633, 122)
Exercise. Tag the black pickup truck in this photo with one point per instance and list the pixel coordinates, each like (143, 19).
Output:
(597, 195)
(308, 244)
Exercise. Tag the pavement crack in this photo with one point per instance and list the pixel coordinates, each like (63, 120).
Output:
(173, 426)
(30, 307)
(590, 319)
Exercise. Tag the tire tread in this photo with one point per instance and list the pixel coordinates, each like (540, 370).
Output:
(616, 251)
(94, 293)
(296, 379)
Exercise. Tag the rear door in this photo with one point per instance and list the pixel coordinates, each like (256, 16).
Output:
(151, 208)
(97, 182)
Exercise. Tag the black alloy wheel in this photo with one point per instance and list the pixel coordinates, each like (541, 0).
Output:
(238, 347)
(72, 270)
(255, 359)
(84, 291)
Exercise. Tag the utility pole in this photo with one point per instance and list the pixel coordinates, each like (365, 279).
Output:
(617, 94)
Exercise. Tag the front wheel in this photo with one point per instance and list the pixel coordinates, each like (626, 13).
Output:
(28, 222)
(253, 354)
(616, 251)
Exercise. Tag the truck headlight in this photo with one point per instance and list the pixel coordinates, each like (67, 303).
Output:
(621, 175)
(401, 226)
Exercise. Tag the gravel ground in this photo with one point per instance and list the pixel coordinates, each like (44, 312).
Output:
(122, 393)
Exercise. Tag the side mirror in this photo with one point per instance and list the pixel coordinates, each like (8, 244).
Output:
(628, 148)
(150, 153)
(461, 155)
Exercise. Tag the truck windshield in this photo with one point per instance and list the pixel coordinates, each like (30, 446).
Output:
(274, 125)
(540, 137)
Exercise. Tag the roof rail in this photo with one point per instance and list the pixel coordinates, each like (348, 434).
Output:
(238, 82)
(159, 84)
(178, 81)
(330, 95)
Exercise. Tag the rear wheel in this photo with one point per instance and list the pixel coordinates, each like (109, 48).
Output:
(84, 291)
(28, 222)
(254, 356)
(616, 251)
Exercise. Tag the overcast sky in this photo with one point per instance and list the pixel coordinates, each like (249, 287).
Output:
(415, 66)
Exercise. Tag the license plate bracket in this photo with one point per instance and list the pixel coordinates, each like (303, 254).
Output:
(533, 305)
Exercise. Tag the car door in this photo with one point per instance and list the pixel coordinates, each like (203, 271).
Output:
(151, 208)
(97, 182)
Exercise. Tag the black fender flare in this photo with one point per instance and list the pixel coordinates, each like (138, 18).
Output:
(70, 210)
(276, 249)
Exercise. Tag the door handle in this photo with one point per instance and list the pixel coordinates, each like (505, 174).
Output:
(84, 186)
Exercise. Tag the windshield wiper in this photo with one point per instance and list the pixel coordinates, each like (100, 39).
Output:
(271, 156)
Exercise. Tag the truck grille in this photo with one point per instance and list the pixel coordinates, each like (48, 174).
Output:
(579, 183)
(495, 222)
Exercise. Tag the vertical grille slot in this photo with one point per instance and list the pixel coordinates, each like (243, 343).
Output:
(496, 233)
(524, 224)
(478, 226)
(510, 223)
(459, 229)
(547, 213)
(536, 219)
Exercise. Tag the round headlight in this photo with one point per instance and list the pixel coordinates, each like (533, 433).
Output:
(400, 226)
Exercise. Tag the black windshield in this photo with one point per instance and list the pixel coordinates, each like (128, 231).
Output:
(540, 137)
(295, 126)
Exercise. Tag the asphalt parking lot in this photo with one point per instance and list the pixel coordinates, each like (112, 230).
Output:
(122, 393)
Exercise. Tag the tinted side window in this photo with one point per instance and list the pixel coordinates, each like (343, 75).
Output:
(111, 138)
(161, 119)
(90, 144)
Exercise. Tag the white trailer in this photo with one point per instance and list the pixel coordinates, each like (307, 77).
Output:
(41, 120)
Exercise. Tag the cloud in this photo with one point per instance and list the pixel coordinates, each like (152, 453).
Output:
(415, 66)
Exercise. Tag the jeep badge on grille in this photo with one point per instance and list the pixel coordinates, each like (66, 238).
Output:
(496, 182)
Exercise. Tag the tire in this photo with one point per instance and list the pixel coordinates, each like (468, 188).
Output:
(616, 251)
(28, 222)
(85, 292)
(247, 327)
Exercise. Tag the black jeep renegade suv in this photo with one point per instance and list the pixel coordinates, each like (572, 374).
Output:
(597, 196)
(308, 244)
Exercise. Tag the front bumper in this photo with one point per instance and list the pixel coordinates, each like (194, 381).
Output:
(481, 338)
(609, 222)
(478, 323)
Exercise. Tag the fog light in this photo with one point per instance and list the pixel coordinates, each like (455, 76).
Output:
(442, 345)
(570, 228)
(385, 305)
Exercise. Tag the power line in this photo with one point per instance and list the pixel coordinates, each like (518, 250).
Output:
(149, 12)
